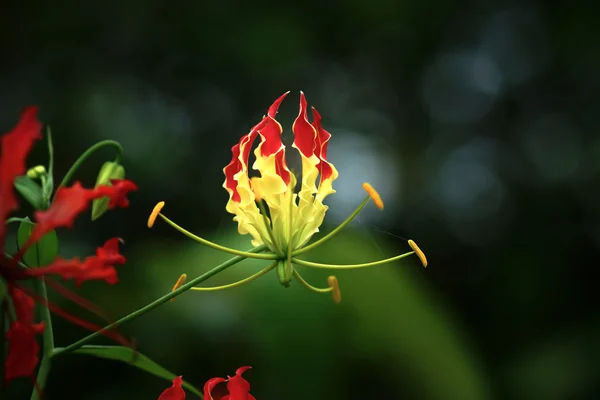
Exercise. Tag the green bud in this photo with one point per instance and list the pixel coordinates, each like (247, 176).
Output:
(110, 170)
(284, 273)
(36, 172)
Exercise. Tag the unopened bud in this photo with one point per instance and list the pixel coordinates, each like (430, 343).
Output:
(36, 172)
(109, 171)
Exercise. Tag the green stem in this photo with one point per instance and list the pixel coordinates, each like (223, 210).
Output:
(105, 143)
(158, 302)
(335, 231)
(47, 340)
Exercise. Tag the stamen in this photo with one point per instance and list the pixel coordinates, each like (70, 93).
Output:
(335, 231)
(418, 252)
(157, 208)
(335, 289)
(238, 283)
(180, 282)
(268, 256)
(309, 286)
(374, 195)
(350, 266)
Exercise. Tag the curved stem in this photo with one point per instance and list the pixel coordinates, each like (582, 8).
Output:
(18, 219)
(309, 286)
(350, 266)
(105, 143)
(217, 246)
(335, 231)
(238, 283)
(158, 302)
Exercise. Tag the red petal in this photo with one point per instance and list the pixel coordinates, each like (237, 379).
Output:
(323, 137)
(304, 133)
(23, 348)
(117, 192)
(209, 387)
(72, 201)
(14, 147)
(175, 392)
(98, 267)
(238, 387)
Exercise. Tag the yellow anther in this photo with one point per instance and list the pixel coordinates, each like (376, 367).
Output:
(159, 206)
(181, 281)
(374, 195)
(255, 184)
(418, 252)
(335, 289)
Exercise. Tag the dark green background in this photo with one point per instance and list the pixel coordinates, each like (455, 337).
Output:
(476, 120)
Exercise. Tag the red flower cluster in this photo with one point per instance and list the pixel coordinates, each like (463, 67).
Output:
(23, 349)
(237, 388)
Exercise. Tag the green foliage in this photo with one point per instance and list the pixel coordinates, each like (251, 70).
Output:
(131, 357)
(41, 253)
(31, 191)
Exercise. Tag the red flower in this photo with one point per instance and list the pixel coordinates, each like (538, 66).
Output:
(175, 392)
(237, 387)
(69, 202)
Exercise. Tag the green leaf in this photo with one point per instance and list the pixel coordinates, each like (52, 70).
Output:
(41, 253)
(31, 191)
(138, 360)
(110, 170)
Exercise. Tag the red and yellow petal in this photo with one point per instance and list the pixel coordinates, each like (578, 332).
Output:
(175, 392)
(14, 148)
(311, 141)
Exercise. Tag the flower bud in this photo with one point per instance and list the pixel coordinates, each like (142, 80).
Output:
(109, 171)
(36, 172)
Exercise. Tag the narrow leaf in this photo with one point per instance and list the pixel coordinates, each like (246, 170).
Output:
(138, 360)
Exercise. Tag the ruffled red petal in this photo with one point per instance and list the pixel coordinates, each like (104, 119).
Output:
(97, 267)
(72, 201)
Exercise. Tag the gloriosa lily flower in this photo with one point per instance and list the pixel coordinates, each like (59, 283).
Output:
(22, 356)
(237, 388)
(280, 220)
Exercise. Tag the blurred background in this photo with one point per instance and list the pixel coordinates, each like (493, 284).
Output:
(477, 121)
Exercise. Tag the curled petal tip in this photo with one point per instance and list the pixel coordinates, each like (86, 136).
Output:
(418, 252)
(335, 289)
(180, 282)
(157, 208)
(374, 195)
